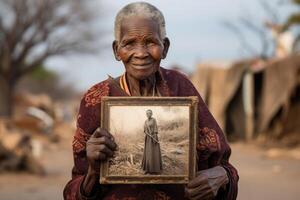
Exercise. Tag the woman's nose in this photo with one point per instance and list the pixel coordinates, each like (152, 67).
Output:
(141, 52)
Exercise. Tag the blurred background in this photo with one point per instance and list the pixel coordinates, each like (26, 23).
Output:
(242, 56)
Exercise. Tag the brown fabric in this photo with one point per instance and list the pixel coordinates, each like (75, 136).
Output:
(218, 85)
(152, 161)
(212, 147)
(279, 81)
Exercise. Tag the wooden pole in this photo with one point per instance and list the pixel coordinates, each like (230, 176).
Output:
(248, 99)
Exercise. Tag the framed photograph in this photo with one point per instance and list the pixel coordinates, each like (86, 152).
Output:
(156, 138)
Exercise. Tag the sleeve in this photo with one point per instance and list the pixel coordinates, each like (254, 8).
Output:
(214, 150)
(145, 127)
(212, 147)
(155, 127)
(88, 120)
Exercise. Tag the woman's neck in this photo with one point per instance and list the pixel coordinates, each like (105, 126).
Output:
(141, 87)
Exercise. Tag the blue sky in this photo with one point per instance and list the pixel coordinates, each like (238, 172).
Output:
(195, 29)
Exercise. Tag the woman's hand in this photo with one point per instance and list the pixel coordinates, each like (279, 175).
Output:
(206, 184)
(99, 147)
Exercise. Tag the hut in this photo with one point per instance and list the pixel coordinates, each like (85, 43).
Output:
(251, 97)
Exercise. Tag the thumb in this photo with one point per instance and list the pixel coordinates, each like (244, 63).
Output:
(97, 133)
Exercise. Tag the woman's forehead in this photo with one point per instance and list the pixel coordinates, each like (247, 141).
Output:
(136, 26)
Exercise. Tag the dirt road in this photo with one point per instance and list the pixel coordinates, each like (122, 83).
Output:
(260, 178)
(264, 179)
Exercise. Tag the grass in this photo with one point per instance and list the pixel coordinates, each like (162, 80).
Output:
(173, 137)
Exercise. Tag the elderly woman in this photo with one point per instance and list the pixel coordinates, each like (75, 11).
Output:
(140, 43)
(152, 161)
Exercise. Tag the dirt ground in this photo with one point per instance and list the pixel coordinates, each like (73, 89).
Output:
(174, 152)
(263, 178)
(260, 178)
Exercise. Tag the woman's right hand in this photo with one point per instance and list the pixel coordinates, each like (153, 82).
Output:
(99, 147)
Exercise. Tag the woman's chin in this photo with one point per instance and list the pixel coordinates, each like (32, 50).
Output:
(142, 75)
(142, 72)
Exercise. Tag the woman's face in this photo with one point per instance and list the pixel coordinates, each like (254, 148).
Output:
(149, 114)
(140, 47)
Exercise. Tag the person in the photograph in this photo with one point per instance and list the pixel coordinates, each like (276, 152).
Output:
(152, 161)
(141, 43)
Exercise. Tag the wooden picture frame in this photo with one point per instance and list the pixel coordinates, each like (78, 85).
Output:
(115, 107)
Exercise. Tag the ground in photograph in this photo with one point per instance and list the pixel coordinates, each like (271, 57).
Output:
(173, 138)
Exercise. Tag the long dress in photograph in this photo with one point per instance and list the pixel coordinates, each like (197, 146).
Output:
(152, 161)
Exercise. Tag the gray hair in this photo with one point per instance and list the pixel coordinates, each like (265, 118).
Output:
(142, 9)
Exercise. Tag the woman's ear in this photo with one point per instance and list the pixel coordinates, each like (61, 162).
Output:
(115, 46)
(166, 47)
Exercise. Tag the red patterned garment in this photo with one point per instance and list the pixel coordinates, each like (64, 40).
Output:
(212, 148)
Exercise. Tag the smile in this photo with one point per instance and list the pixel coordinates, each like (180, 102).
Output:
(142, 66)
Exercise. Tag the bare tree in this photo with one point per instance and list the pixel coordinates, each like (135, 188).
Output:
(246, 23)
(31, 31)
(293, 20)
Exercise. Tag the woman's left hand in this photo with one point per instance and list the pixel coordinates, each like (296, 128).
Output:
(206, 184)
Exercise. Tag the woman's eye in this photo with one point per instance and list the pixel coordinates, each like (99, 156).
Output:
(127, 44)
(151, 43)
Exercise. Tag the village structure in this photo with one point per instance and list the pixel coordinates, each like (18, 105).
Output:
(255, 99)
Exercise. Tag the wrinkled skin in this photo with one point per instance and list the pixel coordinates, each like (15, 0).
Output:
(140, 47)
(141, 50)
(99, 147)
(206, 184)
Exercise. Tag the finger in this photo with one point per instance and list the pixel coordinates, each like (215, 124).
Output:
(105, 150)
(199, 190)
(96, 133)
(104, 132)
(99, 155)
(201, 179)
(97, 166)
(108, 142)
(208, 195)
(186, 192)
(200, 196)
(201, 173)
(97, 141)
(103, 140)
(101, 132)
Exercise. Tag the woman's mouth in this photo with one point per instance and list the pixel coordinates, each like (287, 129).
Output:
(142, 65)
